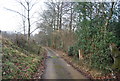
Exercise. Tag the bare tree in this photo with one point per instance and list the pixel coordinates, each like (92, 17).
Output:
(27, 6)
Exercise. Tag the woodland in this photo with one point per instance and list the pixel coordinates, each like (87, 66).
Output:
(91, 27)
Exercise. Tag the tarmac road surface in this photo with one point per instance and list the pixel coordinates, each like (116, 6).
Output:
(57, 68)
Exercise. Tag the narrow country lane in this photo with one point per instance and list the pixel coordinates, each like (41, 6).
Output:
(57, 68)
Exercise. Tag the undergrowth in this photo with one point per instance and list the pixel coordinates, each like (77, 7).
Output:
(19, 63)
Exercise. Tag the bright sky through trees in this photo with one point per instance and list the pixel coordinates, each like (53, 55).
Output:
(10, 21)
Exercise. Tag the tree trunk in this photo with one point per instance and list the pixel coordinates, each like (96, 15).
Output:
(24, 26)
(61, 16)
(58, 17)
(28, 22)
(107, 21)
(71, 14)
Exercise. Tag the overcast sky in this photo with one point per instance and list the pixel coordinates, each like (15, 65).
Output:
(10, 21)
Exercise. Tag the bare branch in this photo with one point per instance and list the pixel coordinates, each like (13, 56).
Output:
(33, 23)
(32, 6)
(22, 4)
(15, 12)
(32, 16)
(26, 1)
(34, 30)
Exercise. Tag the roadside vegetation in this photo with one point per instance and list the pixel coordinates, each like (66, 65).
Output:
(21, 59)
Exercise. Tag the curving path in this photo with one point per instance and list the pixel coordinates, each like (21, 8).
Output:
(57, 68)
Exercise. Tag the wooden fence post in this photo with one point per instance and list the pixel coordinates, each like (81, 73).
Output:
(80, 54)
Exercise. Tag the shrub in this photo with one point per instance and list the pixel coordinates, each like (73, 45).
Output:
(20, 40)
(96, 42)
(70, 51)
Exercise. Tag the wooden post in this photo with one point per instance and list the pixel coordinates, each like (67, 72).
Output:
(80, 54)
